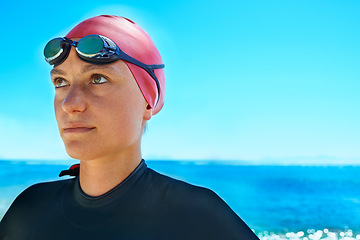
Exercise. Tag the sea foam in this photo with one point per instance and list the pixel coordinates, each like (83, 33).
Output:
(310, 234)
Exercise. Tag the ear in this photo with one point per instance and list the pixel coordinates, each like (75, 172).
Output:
(148, 113)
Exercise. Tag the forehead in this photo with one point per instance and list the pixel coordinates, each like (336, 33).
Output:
(74, 65)
(84, 69)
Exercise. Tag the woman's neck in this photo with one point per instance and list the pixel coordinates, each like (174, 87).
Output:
(101, 175)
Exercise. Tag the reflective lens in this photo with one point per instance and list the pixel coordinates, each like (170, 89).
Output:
(53, 49)
(90, 45)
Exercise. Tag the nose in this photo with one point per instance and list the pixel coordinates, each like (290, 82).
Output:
(75, 100)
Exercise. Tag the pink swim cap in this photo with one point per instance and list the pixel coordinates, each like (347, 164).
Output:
(135, 42)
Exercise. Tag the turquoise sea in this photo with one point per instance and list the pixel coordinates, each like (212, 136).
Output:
(277, 202)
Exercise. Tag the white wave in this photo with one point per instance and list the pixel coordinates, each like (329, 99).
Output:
(310, 234)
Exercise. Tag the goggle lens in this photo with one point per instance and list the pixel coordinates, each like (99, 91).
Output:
(53, 49)
(90, 45)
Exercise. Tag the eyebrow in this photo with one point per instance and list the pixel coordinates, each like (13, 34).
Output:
(86, 68)
(57, 71)
(91, 67)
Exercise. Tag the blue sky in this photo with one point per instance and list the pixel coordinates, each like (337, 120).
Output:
(246, 80)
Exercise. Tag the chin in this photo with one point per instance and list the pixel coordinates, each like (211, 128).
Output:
(80, 152)
(79, 156)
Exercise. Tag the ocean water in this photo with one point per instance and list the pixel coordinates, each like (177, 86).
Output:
(277, 202)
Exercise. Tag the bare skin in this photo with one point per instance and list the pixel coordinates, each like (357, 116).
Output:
(101, 114)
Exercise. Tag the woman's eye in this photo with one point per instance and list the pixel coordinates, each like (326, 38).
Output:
(59, 82)
(98, 79)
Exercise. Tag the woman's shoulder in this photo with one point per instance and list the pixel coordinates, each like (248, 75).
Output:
(179, 191)
(33, 203)
(40, 191)
(46, 186)
(176, 184)
(199, 210)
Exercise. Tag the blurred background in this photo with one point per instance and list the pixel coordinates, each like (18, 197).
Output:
(261, 105)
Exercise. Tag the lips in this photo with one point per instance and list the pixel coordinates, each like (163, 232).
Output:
(77, 128)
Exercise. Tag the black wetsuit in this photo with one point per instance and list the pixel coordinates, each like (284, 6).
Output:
(145, 206)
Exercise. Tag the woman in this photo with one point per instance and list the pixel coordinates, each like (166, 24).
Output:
(109, 81)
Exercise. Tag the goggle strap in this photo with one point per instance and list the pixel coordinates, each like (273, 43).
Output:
(148, 68)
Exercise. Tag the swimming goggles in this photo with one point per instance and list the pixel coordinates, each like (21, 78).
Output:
(95, 49)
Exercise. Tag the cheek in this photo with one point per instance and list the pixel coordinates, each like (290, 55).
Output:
(121, 117)
(57, 108)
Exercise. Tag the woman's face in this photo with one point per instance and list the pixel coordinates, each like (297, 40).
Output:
(99, 109)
